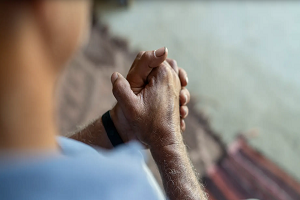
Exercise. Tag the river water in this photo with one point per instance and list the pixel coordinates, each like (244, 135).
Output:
(243, 62)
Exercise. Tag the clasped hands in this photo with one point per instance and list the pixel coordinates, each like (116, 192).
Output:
(152, 100)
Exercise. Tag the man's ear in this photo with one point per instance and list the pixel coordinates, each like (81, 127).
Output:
(41, 10)
(62, 25)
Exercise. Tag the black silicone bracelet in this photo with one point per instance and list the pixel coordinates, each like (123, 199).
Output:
(111, 130)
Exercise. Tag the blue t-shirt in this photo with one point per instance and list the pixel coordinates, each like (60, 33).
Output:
(79, 172)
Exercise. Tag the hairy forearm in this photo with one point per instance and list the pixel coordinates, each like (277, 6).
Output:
(179, 179)
(94, 134)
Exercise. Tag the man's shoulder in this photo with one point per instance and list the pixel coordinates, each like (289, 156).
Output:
(72, 147)
(82, 172)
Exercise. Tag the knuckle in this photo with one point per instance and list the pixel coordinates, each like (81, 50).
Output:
(182, 124)
(184, 111)
(147, 55)
(187, 110)
(186, 92)
(183, 99)
(140, 54)
(188, 95)
(183, 71)
(117, 88)
(183, 77)
(166, 67)
(173, 62)
(164, 70)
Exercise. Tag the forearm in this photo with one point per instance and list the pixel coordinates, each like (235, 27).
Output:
(178, 176)
(94, 134)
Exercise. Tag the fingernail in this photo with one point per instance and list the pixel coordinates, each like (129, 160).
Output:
(185, 97)
(114, 77)
(187, 80)
(160, 52)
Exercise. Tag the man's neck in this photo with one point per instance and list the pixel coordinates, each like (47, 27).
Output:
(26, 97)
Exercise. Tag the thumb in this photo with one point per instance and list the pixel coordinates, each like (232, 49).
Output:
(123, 93)
(143, 65)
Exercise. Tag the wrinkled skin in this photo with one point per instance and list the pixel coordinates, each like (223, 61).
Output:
(144, 77)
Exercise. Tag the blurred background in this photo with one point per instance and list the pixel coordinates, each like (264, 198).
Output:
(242, 59)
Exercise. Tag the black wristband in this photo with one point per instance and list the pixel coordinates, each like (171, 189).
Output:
(111, 130)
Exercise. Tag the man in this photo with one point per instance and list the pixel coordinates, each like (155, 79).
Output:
(37, 38)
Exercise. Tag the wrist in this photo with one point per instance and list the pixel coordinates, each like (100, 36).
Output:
(119, 121)
(174, 147)
(165, 137)
(102, 140)
(171, 145)
(94, 134)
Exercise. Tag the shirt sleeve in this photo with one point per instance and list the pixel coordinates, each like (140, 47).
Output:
(122, 172)
(146, 187)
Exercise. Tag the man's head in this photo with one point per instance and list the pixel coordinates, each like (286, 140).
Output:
(59, 25)
(37, 38)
